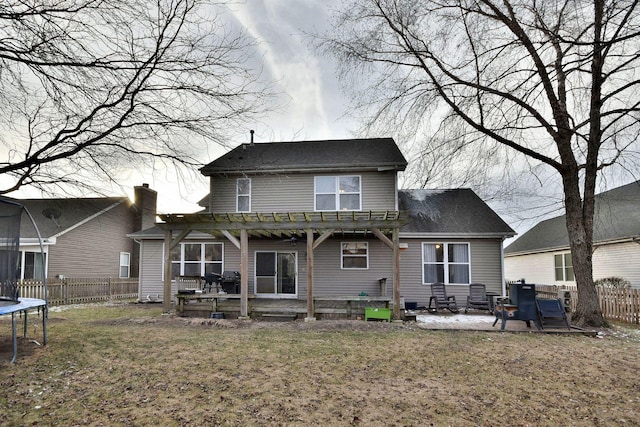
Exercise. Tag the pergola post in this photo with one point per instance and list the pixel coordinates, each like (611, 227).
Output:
(395, 238)
(166, 296)
(310, 306)
(244, 274)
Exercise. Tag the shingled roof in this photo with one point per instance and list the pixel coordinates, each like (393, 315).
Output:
(455, 212)
(617, 217)
(308, 156)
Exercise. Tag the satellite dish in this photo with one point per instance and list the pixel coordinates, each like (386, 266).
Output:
(53, 214)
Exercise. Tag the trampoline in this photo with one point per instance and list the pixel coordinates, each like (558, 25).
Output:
(11, 214)
(22, 307)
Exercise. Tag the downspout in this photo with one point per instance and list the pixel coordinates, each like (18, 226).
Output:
(504, 284)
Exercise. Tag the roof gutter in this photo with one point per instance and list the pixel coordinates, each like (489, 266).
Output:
(427, 235)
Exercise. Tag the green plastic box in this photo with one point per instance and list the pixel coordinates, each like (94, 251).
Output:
(377, 313)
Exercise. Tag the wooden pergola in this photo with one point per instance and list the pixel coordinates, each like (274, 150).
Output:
(316, 227)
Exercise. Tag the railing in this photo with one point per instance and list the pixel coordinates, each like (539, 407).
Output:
(80, 290)
(622, 305)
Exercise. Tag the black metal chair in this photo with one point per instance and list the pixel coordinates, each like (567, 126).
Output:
(551, 309)
(440, 299)
(477, 297)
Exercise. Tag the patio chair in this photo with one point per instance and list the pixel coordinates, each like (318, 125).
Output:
(439, 299)
(477, 297)
(551, 309)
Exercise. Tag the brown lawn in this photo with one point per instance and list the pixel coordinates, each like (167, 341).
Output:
(130, 365)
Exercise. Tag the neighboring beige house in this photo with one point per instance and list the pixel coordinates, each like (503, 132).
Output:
(542, 255)
(85, 237)
(327, 218)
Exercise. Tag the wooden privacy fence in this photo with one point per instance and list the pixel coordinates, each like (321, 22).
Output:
(622, 305)
(80, 290)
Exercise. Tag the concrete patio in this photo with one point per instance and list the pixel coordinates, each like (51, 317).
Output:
(484, 322)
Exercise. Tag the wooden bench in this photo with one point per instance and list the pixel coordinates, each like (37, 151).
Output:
(349, 300)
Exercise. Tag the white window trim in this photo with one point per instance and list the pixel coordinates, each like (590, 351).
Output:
(342, 256)
(446, 262)
(564, 268)
(238, 195)
(22, 255)
(128, 265)
(336, 193)
(202, 262)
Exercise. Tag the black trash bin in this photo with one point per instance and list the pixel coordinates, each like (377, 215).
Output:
(523, 295)
(521, 305)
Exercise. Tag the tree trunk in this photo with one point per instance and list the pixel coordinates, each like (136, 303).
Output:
(579, 217)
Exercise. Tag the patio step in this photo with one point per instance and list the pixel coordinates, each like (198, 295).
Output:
(278, 317)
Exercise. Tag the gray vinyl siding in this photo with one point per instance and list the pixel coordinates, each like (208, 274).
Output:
(151, 271)
(93, 249)
(485, 268)
(330, 280)
(295, 192)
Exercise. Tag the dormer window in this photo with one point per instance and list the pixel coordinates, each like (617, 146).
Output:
(243, 193)
(338, 193)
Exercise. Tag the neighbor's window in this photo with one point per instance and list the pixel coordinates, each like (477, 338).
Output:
(446, 263)
(243, 191)
(125, 264)
(355, 255)
(564, 267)
(337, 193)
(32, 265)
(196, 259)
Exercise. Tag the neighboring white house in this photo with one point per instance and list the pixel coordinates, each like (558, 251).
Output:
(541, 255)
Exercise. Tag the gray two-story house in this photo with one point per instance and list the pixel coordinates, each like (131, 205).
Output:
(302, 220)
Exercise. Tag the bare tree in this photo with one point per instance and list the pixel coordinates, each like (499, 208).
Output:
(89, 88)
(555, 82)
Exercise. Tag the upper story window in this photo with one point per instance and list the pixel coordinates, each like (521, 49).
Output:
(338, 193)
(564, 267)
(446, 263)
(355, 255)
(243, 192)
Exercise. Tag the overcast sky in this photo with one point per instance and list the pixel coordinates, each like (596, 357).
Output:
(313, 105)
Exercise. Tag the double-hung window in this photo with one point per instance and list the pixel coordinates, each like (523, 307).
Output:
(338, 193)
(355, 255)
(125, 265)
(196, 259)
(243, 195)
(446, 263)
(564, 267)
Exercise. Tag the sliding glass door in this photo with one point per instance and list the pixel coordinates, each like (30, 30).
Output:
(275, 273)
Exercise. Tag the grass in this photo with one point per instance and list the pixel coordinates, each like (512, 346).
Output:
(130, 365)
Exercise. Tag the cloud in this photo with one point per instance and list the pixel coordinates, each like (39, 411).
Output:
(313, 95)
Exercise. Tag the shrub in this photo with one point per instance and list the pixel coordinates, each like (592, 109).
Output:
(613, 282)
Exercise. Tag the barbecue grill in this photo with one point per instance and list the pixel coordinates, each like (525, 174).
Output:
(230, 282)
